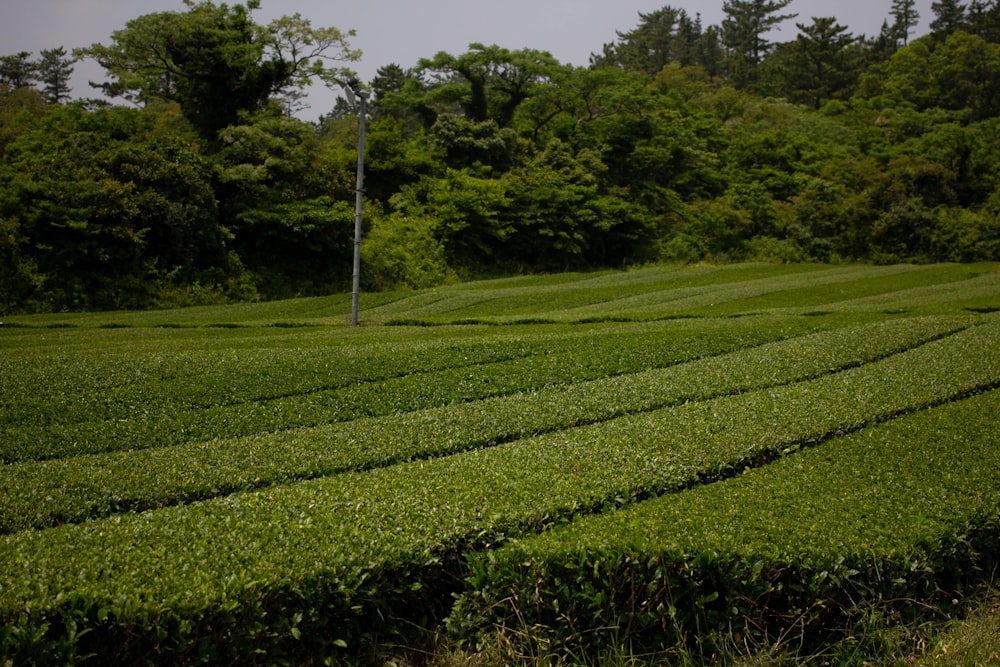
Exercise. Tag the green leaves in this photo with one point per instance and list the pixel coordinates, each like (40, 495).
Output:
(88, 487)
(214, 61)
(105, 204)
(792, 548)
(745, 474)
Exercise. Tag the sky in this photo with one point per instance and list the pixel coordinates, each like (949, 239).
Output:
(404, 31)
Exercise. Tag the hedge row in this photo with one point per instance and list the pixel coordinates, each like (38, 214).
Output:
(297, 571)
(794, 554)
(201, 400)
(107, 382)
(689, 293)
(887, 289)
(527, 296)
(824, 287)
(45, 493)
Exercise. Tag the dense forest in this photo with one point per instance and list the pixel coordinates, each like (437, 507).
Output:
(679, 142)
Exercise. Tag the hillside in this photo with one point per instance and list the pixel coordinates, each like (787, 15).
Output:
(668, 462)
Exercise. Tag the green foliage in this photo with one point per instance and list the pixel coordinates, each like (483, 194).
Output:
(663, 37)
(904, 19)
(279, 543)
(214, 61)
(226, 398)
(822, 63)
(471, 144)
(468, 210)
(17, 70)
(552, 202)
(744, 33)
(146, 479)
(402, 252)
(957, 75)
(680, 141)
(105, 210)
(869, 521)
(489, 82)
(393, 159)
(288, 230)
(54, 71)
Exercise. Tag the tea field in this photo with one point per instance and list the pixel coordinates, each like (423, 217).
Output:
(670, 461)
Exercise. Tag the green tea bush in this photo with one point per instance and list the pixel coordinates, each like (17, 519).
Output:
(39, 494)
(312, 490)
(301, 570)
(700, 291)
(601, 296)
(792, 554)
(162, 401)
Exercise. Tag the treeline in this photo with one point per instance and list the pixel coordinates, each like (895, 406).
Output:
(679, 142)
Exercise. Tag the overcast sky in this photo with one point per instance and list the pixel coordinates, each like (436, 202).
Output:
(403, 31)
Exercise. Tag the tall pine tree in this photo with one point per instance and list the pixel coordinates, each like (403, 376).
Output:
(823, 63)
(54, 71)
(18, 70)
(743, 30)
(949, 16)
(904, 19)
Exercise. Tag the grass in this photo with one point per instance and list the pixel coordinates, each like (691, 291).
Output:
(970, 641)
(973, 641)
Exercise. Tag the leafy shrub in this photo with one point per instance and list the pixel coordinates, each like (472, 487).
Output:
(401, 252)
(785, 555)
(343, 555)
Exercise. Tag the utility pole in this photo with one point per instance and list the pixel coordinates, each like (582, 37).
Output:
(358, 99)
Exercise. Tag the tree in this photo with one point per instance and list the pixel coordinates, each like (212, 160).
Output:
(18, 70)
(54, 71)
(488, 82)
(904, 19)
(275, 199)
(215, 62)
(468, 144)
(649, 47)
(19, 109)
(984, 19)
(967, 71)
(551, 208)
(663, 37)
(401, 94)
(469, 214)
(108, 208)
(743, 30)
(712, 52)
(949, 16)
(880, 48)
(925, 83)
(562, 218)
(690, 48)
(821, 63)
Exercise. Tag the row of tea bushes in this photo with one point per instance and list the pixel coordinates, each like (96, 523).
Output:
(647, 296)
(165, 411)
(977, 292)
(291, 572)
(38, 494)
(821, 286)
(651, 294)
(531, 296)
(794, 554)
(108, 382)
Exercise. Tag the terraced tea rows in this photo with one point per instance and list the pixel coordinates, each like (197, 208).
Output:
(157, 403)
(901, 512)
(38, 494)
(302, 493)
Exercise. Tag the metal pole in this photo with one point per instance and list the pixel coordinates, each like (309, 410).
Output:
(362, 112)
